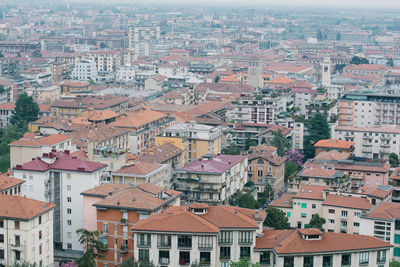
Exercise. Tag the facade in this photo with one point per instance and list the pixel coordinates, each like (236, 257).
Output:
(194, 139)
(326, 71)
(105, 60)
(59, 178)
(140, 34)
(302, 99)
(85, 71)
(333, 144)
(255, 72)
(10, 185)
(26, 231)
(213, 178)
(209, 235)
(113, 209)
(252, 110)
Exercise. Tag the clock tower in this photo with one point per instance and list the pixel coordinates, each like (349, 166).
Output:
(326, 71)
(254, 72)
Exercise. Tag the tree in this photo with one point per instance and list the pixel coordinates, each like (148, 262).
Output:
(338, 36)
(247, 201)
(243, 262)
(248, 143)
(91, 245)
(291, 169)
(295, 156)
(130, 262)
(394, 263)
(281, 142)
(26, 110)
(217, 78)
(316, 222)
(232, 149)
(276, 219)
(394, 159)
(358, 60)
(318, 129)
(269, 191)
(339, 68)
(103, 45)
(263, 141)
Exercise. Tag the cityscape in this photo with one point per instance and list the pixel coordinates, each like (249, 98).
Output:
(184, 133)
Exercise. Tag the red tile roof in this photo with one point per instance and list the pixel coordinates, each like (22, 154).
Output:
(218, 164)
(347, 202)
(12, 206)
(285, 201)
(311, 192)
(104, 190)
(385, 210)
(334, 143)
(139, 168)
(7, 182)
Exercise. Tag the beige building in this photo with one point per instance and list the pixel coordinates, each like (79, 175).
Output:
(47, 95)
(26, 231)
(142, 172)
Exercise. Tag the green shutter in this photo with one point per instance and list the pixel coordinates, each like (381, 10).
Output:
(304, 205)
(288, 214)
(397, 239)
(397, 252)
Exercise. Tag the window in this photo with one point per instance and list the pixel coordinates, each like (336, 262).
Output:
(1, 254)
(69, 222)
(144, 240)
(184, 241)
(344, 214)
(314, 206)
(288, 214)
(69, 199)
(331, 211)
(364, 257)
(184, 257)
(1, 223)
(16, 225)
(40, 219)
(205, 242)
(331, 221)
(144, 255)
(327, 261)
(69, 211)
(396, 238)
(40, 235)
(1, 238)
(245, 237)
(356, 224)
(17, 255)
(308, 261)
(164, 241)
(68, 187)
(225, 237)
(205, 257)
(265, 257)
(225, 252)
(288, 262)
(40, 249)
(163, 257)
(346, 259)
(244, 252)
(396, 252)
(381, 257)
(303, 215)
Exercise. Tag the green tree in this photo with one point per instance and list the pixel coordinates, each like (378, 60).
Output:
(103, 45)
(232, 149)
(358, 60)
(394, 263)
(263, 140)
(281, 142)
(291, 169)
(247, 201)
(244, 262)
(276, 219)
(217, 78)
(269, 192)
(394, 159)
(318, 129)
(248, 143)
(26, 110)
(130, 262)
(316, 222)
(91, 246)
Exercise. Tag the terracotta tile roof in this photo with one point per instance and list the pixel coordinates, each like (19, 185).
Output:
(313, 171)
(96, 102)
(334, 143)
(176, 219)
(379, 191)
(12, 206)
(7, 182)
(34, 141)
(160, 154)
(332, 155)
(135, 119)
(281, 80)
(152, 188)
(395, 174)
(364, 166)
(98, 115)
(276, 160)
(385, 210)
(291, 242)
(285, 201)
(218, 164)
(347, 202)
(136, 199)
(139, 168)
(311, 192)
(206, 107)
(104, 190)
(310, 231)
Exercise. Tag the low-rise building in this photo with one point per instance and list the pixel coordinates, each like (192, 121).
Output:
(212, 179)
(26, 231)
(333, 144)
(10, 185)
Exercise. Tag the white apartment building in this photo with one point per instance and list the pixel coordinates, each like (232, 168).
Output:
(302, 98)
(85, 70)
(253, 110)
(142, 33)
(371, 141)
(60, 178)
(298, 135)
(107, 61)
(210, 235)
(383, 222)
(126, 74)
(26, 231)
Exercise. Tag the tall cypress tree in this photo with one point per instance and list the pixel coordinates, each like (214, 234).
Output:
(26, 110)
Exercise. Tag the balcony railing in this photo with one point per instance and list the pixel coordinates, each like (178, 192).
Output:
(124, 249)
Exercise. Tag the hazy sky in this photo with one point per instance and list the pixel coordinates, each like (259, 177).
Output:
(265, 3)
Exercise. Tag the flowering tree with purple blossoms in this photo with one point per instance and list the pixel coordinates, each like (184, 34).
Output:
(295, 156)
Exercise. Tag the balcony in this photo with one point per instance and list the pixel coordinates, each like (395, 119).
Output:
(103, 234)
(367, 144)
(164, 261)
(366, 149)
(367, 137)
(124, 249)
(16, 247)
(385, 138)
(343, 228)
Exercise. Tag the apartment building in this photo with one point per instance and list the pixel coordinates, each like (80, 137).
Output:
(59, 177)
(333, 144)
(395, 182)
(113, 209)
(31, 146)
(105, 60)
(374, 142)
(85, 70)
(302, 99)
(196, 140)
(383, 222)
(209, 235)
(139, 34)
(75, 88)
(26, 231)
(143, 172)
(10, 185)
(311, 247)
(253, 109)
(144, 125)
(213, 178)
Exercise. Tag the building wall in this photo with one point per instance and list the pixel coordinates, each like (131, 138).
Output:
(351, 219)
(89, 211)
(303, 207)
